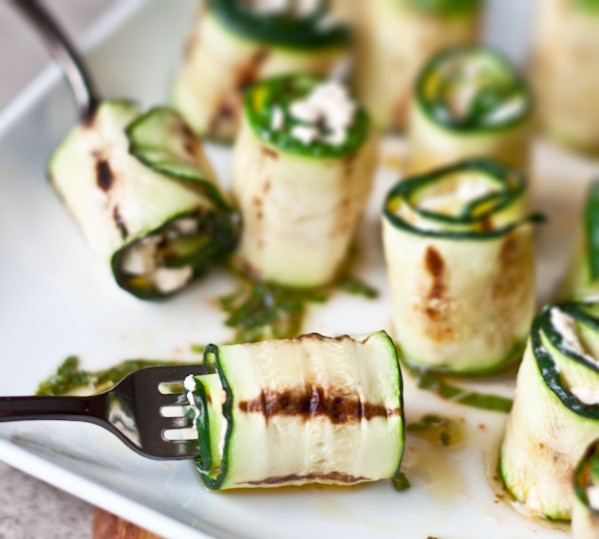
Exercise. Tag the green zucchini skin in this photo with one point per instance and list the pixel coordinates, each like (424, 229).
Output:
(583, 276)
(233, 48)
(300, 206)
(471, 270)
(342, 398)
(438, 138)
(566, 73)
(585, 519)
(125, 176)
(549, 427)
(388, 63)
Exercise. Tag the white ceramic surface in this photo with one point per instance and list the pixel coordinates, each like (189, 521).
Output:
(57, 299)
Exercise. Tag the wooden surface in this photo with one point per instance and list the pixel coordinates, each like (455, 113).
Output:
(107, 526)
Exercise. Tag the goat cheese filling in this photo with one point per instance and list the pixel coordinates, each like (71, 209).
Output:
(145, 258)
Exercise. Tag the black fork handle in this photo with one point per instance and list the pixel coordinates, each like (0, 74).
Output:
(62, 49)
(90, 409)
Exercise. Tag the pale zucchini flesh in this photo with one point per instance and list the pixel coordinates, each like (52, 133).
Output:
(230, 50)
(306, 410)
(388, 62)
(550, 427)
(301, 204)
(461, 270)
(469, 102)
(566, 72)
(127, 177)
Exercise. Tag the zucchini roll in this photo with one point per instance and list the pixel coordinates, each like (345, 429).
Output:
(306, 410)
(146, 198)
(583, 277)
(460, 261)
(556, 409)
(304, 164)
(469, 102)
(567, 72)
(396, 38)
(238, 42)
(585, 511)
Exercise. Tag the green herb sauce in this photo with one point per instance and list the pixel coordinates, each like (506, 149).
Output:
(446, 7)
(260, 311)
(70, 377)
(438, 430)
(400, 482)
(435, 383)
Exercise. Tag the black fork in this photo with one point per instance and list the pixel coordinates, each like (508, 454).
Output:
(135, 410)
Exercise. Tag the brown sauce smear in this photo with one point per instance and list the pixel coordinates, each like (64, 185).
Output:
(315, 401)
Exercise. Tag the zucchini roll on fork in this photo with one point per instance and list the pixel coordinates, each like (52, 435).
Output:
(585, 512)
(306, 410)
(146, 198)
(583, 276)
(567, 71)
(556, 409)
(238, 42)
(396, 38)
(460, 261)
(304, 163)
(469, 102)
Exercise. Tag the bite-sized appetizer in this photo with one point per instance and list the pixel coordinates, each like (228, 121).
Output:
(304, 164)
(396, 38)
(585, 511)
(556, 409)
(459, 254)
(146, 198)
(307, 410)
(238, 42)
(583, 276)
(469, 102)
(567, 71)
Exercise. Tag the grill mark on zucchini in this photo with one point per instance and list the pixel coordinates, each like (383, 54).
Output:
(435, 265)
(333, 476)
(120, 223)
(315, 401)
(268, 152)
(104, 174)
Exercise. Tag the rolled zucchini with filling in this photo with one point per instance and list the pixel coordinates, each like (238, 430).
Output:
(145, 197)
(469, 102)
(556, 409)
(238, 42)
(304, 164)
(307, 410)
(395, 40)
(460, 261)
(585, 511)
(583, 277)
(567, 72)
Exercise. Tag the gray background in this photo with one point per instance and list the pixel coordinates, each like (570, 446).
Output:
(30, 509)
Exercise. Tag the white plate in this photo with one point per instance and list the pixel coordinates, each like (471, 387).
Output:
(57, 299)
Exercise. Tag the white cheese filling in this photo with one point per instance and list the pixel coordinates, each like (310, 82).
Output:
(465, 192)
(593, 497)
(140, 259)
(328, 113)
(299, 8)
